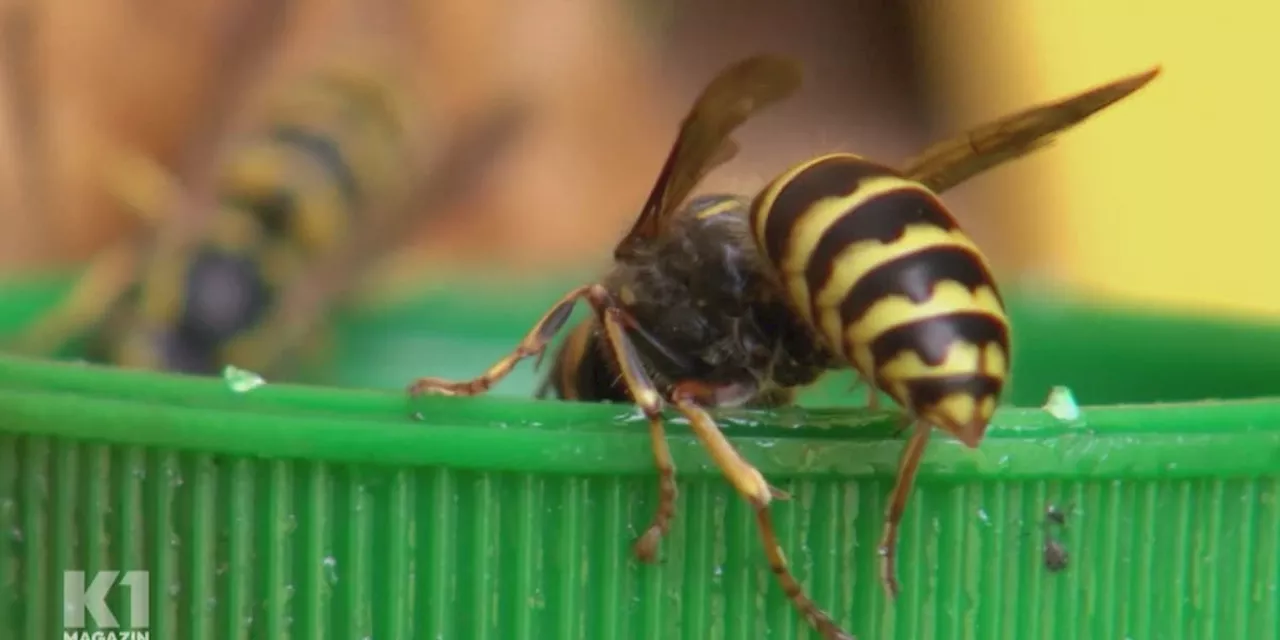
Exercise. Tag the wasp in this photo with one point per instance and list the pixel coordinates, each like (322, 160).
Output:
(288, 197)
(314, 173)
(837, 263)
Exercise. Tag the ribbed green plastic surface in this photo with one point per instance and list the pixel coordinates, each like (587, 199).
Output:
(313, 513)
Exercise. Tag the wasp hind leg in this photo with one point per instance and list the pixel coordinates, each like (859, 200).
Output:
(908, 465)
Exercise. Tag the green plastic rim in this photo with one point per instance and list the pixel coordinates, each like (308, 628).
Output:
(94, 404)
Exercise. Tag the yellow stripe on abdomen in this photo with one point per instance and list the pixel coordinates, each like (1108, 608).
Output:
(854, 264)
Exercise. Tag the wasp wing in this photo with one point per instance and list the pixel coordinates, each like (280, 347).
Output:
(726, 103)
(950, 162)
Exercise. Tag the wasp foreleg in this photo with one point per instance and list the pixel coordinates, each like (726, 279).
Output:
(534, 343)
(642, 390)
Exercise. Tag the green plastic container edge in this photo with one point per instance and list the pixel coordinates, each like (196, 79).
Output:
(1235, 438)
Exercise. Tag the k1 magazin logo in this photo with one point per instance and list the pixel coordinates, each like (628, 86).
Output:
(81, 598)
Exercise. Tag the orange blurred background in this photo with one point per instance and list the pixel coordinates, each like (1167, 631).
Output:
(1109, 208)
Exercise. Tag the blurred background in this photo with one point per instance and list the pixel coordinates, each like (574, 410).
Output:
(1158, 200)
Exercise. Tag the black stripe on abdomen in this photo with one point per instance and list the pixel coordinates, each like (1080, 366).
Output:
(274, 210)
(883, 219)
(326, 152)
(915, 276)
(835, 177)
(932, 338)
(928, 392)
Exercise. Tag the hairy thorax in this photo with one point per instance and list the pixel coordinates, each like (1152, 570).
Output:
(713, 310)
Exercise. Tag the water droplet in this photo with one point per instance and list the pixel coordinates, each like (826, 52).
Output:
(1061, 404)
(210, 604)
(16, 534)
(982, 515)
(240, 380)
(331, 569)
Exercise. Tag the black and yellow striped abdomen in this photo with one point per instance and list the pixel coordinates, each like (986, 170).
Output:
(326, 151)
(289, 195)
(883, 272)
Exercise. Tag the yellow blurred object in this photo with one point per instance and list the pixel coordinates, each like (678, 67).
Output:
(139, 183)
(120, 76)
(1166, 199)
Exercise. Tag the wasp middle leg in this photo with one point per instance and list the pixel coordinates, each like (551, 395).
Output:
(688, 397)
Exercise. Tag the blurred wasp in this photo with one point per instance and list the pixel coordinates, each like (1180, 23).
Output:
(288, 197)
(837, 263)
(115, 271)
(332, 162)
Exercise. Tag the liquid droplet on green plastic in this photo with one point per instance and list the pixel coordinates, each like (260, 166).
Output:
(240, 380)
(1062, 404)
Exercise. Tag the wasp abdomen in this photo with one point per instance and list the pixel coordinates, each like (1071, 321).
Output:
(322, 149)
(887, 277)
